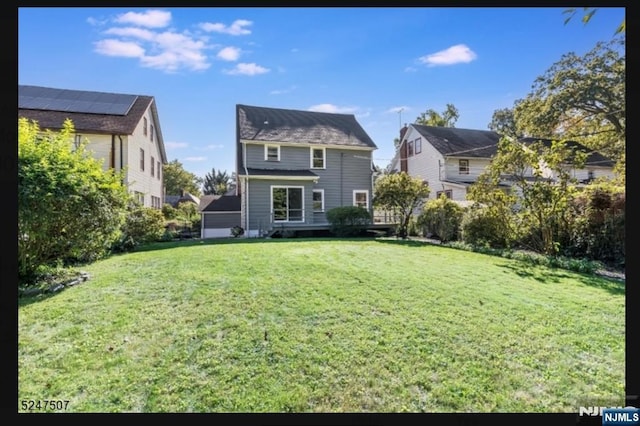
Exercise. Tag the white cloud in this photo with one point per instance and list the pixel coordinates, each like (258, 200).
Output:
(175, 145)
(410, 69)
(213, 146)
(149, 19)
(127, 49)
(229, 54)
(237, 28)
(283, 91)
(132, 32)
(93, 21)
(399, 109)
(247, 69)
(195, 159)
(459, 53)
(332, 108)
(172, 50)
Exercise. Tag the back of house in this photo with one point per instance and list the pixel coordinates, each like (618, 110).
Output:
(293, 166)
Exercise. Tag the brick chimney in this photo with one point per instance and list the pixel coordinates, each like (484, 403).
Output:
(403, 131)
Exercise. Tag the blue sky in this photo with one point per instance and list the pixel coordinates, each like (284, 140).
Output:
(384, 65)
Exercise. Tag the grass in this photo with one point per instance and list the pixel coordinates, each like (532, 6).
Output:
(323, 325)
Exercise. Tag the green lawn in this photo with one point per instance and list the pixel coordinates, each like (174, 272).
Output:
(323, 325)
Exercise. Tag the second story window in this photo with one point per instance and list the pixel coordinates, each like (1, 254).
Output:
(272, 152)
(418, 143)
(141, 159)
(153, 166)
(151, 135)
(463, 167)
(318, 158)
(144, 126)
(158, 170)
(410, 149)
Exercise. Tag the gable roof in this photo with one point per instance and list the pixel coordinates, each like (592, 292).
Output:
(452, 141)
(223, 203)
(305, 127)
(594, 158)
(46, 106)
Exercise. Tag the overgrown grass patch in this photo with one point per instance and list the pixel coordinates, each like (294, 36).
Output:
(323, 325)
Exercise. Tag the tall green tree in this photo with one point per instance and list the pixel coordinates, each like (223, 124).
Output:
(504, 123)
(401, 195)
(216, 182)
(177, 179)
(446, 118)
(69, 208)
(580, 98)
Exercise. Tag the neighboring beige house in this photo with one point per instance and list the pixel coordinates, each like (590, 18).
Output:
(121, 129)
(451, 159)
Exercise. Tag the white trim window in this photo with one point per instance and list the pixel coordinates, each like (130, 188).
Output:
(287, 203)
(272, 153)
(463, 167)
(418, 144)
(318, 158)
(318, 200)
(361, 198)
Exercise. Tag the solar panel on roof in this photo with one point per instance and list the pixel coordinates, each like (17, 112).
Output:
(45, 98)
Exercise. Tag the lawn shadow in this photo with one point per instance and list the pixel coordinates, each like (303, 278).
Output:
(41, 297)
(406, 242)
(549, 275)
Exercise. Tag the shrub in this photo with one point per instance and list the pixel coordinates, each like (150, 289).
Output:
(143, 225)
(598, 228)
(169, 212)
(348, 220)
(479, 227)
(69, 208)
(442, 218)
(237, 231)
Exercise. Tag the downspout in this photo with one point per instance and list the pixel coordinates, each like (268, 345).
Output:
(246, 172)
(121, 157)
(112, 159)
(341, 189)
(371, 190)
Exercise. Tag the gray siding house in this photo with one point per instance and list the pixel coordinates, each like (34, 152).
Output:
(293, 166)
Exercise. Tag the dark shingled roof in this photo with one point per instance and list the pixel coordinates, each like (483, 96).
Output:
(307, 127)
(451, 141)
(108, 124)
(593, 158)
(280, 172)
(223, 203)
